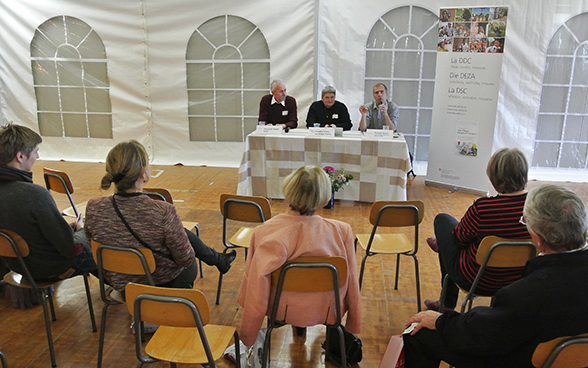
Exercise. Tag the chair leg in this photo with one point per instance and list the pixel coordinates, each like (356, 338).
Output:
(418, 281)
(397, 271)
(49, 293)
(102, 332)
(201, 269)
(267, 347)
(218, 288)
(48, 328)
(3, 359)
(362, 268)
(90, 304)
(342, 346)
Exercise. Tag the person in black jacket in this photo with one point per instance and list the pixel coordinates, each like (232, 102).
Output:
(328, 112)
(549, 301)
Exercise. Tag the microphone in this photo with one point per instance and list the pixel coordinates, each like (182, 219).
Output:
(379, 111)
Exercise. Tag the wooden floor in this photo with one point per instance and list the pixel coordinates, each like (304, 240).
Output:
(196, 193)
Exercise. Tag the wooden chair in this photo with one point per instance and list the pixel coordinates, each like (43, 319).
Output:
(129, 261)
(162, 194)
(494, 251)
(563, 352)
(60, 182)
(393, 214)
(184, 335)
(308, 275)
(243, 209)
(13, 245)
(3, 360)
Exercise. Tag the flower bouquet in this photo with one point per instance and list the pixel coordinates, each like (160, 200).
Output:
(339, 178)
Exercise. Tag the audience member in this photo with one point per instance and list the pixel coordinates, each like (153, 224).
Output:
(380, 112)
(56, 251)
(154, 224)
(278, 108)
(549, 301)
(457, 243)
(298, 233)
(328, 112)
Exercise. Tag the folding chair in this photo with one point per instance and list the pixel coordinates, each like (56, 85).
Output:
(563, 352)
(60, 182)
(393, 214)
(129, 261)
(162, 194)
(493, 251)
(184, 335)
(13, 245)
(308, 275)
(244, 209)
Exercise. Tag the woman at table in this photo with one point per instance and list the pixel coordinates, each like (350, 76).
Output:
(457, 242)
(133, 220)
(298, 233)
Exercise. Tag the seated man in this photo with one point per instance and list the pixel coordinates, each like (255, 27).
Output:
(380, 112)
(29, 210)
(278, 108)
(549, 301)
(327, 112)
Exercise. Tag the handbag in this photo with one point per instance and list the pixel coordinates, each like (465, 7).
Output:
(353, 346)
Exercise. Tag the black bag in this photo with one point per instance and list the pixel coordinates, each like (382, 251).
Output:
(352, 346)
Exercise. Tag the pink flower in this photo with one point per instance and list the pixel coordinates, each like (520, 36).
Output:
(329, 169)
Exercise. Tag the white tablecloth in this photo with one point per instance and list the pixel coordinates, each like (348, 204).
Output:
(379, 166)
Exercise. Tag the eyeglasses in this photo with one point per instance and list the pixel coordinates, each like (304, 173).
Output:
(522, 220)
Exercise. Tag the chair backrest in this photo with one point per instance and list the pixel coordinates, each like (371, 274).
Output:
(562, 352)
(130, 261)
(245, 208)
(310, 274)
(57, 180)
(13, 245)
(167, 306)
(397, 213)
(495, 251)
(160, 194)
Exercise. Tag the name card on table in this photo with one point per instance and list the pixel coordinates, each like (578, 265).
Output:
(269, 130)
(381, 134)
(321, 132)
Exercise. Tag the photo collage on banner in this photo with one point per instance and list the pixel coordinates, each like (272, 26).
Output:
(472, 29)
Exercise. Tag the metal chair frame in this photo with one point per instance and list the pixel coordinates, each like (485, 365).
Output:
(43, 289)
(560, 346)
(417, 220)
(242, 201)
(273, 323)
(195, 310)
(3, 360)
(498, 243)
(67, 186)
(110, 296)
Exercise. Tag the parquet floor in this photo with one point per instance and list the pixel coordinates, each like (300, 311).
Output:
(196, 192)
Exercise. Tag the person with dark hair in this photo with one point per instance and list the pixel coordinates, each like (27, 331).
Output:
(328, 112)
(549, 301)
(278, 108)
(154, 223)
(28, 209)
(298, 233)
(457, 242)
(380, 112)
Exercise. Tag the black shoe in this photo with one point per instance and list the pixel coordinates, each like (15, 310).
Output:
(225, 260)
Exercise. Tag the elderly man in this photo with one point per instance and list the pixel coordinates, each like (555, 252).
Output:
(328, 112)
(278, 108)
(380, 112)
(548, 302)
(28, 209)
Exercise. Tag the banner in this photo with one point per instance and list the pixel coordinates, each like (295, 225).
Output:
(469, 59)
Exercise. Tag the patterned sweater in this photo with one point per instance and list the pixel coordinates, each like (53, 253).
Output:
(497, 216)
(157, 223)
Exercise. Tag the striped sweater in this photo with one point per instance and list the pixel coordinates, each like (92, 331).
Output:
(497, 216)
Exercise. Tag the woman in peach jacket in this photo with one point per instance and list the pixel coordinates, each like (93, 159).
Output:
(298, 233)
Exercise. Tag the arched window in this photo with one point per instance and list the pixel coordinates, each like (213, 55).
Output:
(227, 74)
(401, 52)
(561, 140)
(68, 61)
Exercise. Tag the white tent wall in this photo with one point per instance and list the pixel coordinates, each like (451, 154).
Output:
(312, 43)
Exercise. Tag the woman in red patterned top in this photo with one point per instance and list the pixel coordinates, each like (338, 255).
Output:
(457, 243)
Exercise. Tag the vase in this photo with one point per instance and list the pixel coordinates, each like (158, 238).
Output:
(331, 203)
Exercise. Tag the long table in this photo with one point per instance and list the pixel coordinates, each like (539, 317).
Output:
(379, 166)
